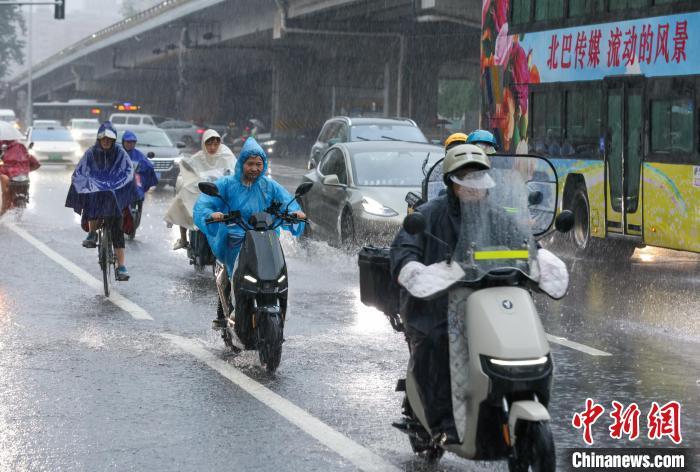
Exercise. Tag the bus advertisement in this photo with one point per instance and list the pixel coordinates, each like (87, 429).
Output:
(609, 97)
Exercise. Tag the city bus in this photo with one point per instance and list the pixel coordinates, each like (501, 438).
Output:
(608, 90)
(80, 108)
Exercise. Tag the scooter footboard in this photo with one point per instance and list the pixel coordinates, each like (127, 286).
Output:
(525, 410)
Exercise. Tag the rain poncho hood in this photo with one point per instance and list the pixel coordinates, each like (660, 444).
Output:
(103, 183)
(225, 241)
(202, 166)
(16, 160)
(145, 174)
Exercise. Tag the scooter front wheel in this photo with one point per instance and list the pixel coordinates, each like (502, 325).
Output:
(270, 344)
(534, 449)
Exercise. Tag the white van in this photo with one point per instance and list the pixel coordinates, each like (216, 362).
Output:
(134, 119)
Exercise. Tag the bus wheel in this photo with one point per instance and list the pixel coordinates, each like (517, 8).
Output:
(581, 232)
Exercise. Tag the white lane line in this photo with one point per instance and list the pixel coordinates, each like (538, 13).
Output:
(577, 346)
(358, 455)
(125, 304)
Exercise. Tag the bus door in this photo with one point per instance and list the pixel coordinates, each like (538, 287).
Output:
(623, 155)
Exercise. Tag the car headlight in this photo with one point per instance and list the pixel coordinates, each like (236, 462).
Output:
(373, 207)
(77, 152)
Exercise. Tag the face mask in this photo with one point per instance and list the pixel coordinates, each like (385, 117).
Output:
(479, 180)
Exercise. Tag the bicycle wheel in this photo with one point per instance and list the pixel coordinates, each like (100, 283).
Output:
(105, 246)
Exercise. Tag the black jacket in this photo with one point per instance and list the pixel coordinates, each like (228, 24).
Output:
(443, 218)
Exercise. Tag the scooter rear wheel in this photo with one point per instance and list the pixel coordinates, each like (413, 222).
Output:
(534, 449)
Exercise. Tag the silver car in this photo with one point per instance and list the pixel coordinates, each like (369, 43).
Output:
(359, 192)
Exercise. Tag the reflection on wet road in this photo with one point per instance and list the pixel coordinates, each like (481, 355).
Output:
(87, 387)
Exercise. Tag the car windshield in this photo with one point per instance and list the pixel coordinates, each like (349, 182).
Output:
(502, 210)
(8, 118)
(150, 138)
(85, 124)
(51, 134)
(391, 168)
(386, 132)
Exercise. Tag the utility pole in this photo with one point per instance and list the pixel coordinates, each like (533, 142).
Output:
(29, 118)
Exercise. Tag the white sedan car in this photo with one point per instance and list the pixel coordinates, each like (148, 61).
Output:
(54, 145)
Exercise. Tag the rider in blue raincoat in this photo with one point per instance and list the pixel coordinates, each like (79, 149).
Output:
(103, 185)
(249, 191)
(145, 173)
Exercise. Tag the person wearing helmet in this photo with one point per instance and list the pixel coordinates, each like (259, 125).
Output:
(484, 139)
(466, 176)
(102, 186)
(455, 139)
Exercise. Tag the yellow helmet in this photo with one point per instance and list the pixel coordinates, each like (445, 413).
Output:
(455, 139)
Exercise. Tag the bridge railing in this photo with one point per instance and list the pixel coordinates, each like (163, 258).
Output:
(125, 24)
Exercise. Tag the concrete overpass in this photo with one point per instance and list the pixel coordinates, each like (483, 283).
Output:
(292, 63)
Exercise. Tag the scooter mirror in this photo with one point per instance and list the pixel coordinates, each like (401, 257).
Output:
(565, 221)
(209, 188)
(151, 155)
(303, 189)
(535, 198)
(414, 223)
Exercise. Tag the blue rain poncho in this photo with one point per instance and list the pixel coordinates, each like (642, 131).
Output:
(145, 173)
(225, 241)
(103, 183)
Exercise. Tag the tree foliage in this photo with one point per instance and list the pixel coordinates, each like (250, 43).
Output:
(11, 47)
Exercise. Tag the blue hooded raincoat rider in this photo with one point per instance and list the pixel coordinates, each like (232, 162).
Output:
(225, 241)
(103, 181)
(145, 173)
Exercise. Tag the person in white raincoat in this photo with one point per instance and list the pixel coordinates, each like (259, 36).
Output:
(213, 161)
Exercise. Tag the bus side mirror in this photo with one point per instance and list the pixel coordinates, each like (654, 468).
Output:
(564, 221)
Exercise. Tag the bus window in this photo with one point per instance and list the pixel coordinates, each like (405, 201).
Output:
(618, 5)
(119, 120)
(672, 126)
(585, 7)
(521, 10)
(583, 123)
(546, 123)
(549, 10)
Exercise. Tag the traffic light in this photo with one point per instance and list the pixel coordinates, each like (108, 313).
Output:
(59, 9)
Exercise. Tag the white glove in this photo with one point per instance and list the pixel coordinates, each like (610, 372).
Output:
(554, 278)
(430, 281)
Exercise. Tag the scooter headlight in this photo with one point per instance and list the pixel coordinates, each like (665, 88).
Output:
(251, 279)
(517, 369)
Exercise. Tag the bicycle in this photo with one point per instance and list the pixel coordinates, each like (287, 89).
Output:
(105, 255)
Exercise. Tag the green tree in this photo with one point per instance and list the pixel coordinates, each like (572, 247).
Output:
(11, 47)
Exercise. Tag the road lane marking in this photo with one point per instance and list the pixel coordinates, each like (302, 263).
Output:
(577, 346)
(122, 302)
(358, 455)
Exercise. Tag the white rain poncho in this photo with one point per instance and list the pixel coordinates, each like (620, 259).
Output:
(202, 166)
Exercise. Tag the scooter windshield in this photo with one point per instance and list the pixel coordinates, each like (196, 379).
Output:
(503, 210)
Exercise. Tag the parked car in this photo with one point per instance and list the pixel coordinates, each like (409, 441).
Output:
(184, 131)
(8, 115)
(131, 119)
(53, 144)
(343, 129)
(360, 188)
(84, 131)
(158, 147)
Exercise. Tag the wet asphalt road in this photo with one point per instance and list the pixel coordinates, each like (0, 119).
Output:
(85, 386)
